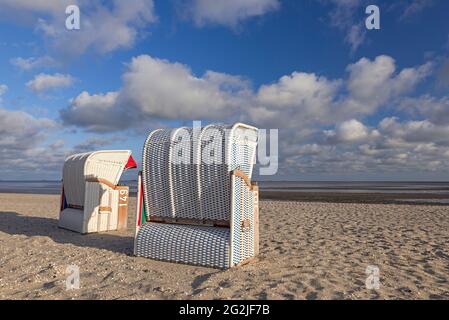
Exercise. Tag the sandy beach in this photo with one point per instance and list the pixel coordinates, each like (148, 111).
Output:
(309, 250)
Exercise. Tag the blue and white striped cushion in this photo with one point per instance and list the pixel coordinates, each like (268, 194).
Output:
(198, 245)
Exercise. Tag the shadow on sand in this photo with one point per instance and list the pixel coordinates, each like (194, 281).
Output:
(16, 224)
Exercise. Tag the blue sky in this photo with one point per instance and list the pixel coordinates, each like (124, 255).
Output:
(349, 103)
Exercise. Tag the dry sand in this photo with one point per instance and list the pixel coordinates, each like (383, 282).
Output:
(308, 251)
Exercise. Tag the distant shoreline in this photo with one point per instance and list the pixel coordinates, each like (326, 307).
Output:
(348, 197)
(325, 197)
(393, 192)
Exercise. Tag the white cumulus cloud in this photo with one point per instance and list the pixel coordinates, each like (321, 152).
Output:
(104, 27)
(372, 83)
(43, 82)
(228, 13)
(348, 131)
(27, 64)
(154, 89)
(157, 89)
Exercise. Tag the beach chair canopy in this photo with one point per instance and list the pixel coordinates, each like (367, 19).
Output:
(101, 166)
(199, 181)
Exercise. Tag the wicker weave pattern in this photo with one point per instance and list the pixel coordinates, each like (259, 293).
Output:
(183, 175)
(250, 212)
(242, 156)
(214, 179)
(236, 222)
(156, 174)
(206, 246)
(242, 153)
(242, 238)
(197, 191)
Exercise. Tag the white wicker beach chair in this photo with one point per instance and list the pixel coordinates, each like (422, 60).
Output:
(199, 211)
(91, 199)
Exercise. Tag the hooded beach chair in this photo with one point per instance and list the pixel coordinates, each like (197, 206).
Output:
(91, 199)
(196, 202)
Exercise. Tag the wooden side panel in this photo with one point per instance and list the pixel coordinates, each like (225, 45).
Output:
(105, 209)
(123, 201)
(103, 221)
(256, 219)
(112, 203)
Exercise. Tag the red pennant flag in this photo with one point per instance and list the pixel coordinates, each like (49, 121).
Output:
(131, 163)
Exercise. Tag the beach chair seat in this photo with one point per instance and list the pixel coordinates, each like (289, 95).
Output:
(190, 244)
(91, 199)
(196, 202)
